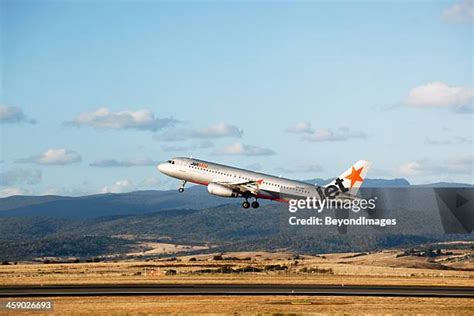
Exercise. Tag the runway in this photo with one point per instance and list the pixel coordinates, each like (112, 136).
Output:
(233, 289)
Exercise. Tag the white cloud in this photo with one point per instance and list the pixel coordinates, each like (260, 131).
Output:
(459, 165)
(126, 185)
(244, 150)
(20, 176)
(13, 191)
(220, 130)
(453, 141)
(68, 191)
(103, 118)
(13, 114)
(149, 183)
(441, 95)
(140, 162)
(324, 134)
(460, 12)
(120, 186)
(190, 147)
(328, 135)
(411, 168)
(301, 128)
(53, 157)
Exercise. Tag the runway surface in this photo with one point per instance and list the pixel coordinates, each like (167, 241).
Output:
(233, 289)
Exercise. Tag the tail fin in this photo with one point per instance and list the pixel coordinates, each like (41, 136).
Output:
(352, 178)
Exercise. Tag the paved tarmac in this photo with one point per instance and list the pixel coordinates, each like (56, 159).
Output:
(233, 289)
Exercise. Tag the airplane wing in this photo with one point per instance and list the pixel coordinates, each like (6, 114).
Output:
(247, 186)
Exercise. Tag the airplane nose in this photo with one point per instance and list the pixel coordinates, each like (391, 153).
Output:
(162, 168)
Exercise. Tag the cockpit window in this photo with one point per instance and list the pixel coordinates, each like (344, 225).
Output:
(169, 161)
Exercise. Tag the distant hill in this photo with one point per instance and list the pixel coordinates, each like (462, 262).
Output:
(227, 227)
(91, 206)
(142, 202)
(92, 225)
(445, 185)
(17, 201)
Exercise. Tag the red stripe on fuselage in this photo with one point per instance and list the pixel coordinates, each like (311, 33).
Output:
(201, 183)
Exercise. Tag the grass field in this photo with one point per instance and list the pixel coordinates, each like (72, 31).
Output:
(385, 267)
(380, 268)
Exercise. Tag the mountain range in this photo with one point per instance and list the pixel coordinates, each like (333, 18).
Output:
(58, 226)
(140, 202)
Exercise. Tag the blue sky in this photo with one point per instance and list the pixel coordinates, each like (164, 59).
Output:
(95, 93)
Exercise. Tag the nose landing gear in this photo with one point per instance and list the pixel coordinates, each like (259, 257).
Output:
(181, 188)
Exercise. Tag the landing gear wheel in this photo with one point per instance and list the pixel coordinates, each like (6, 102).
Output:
(181, 188)
(255, 204)
(245, 204)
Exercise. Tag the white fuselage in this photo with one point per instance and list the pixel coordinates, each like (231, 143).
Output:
(204, 173)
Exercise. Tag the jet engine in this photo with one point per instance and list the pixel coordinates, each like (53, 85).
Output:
(220, 190)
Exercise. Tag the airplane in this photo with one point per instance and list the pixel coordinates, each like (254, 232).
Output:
(226, 181)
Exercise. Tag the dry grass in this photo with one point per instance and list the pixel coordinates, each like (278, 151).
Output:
(258, 304)
(376, 269)
(153, 248)
(382, 268)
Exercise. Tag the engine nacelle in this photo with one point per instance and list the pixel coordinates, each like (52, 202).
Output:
(220, 190)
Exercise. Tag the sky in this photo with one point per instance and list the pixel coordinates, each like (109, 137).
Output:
(94, 94)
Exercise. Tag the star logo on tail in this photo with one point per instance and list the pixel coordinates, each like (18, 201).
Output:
(355, 176)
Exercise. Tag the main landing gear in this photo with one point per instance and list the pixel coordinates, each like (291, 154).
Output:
(181, 188)
(254, 204)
